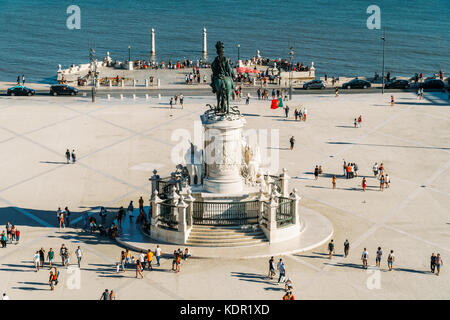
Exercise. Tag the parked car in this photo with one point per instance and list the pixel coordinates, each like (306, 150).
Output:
(314, 84)
(356, 84)
(397, 84)
(432, 84)
(20, 91)
(63, 89)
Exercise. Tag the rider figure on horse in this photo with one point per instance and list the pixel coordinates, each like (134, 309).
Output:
(222, 79)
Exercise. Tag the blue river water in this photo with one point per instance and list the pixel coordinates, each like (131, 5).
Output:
(34, 37)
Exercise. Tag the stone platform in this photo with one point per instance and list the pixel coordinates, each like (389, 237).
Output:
(317, 231)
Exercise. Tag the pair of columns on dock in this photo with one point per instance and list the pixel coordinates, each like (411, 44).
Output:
(153, 47)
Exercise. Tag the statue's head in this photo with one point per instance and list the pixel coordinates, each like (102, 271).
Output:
(220, 48)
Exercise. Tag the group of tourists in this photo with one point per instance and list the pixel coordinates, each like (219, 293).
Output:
(194, 77)
(145, 260)
(69, 155)
(357, 122)
(350, 170)
(40, 257)
(63, 217)
(378, 172)
(317, 171)
(175, 99)
(23, 80)
(262, 94)
(12, 235)
(300, 115)
(108, 295)
(288, 284)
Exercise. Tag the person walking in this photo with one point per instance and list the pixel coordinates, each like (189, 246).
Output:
(387, 180)
(292, 142)
(23, 79)
(171, 102)
(50, 257)
(67, 215)
(123, 259)
(316, 172)
(158, 255)
(139, 269)
(141, 205)
(67, 155)
(390, 260)
(364, 184)
(333, 181)
(271, 268)
(112, 295)
(378, 257)
(74, 158)
(375, 169)
(433, 262)
(130, 210)
(3, 239)
(18, 80)
(105, 295)
(286, 111)
(182, 101)
(36, 260)
(282, 270)
(41, 257)
(364, 258)
(330, 249)
(149, 259)
(5, 297)
(336, 92)
(439, 263)
(382, 183)
(61, 219)
(79, 255)
(346, 248)
(63, 253)
(103, 214)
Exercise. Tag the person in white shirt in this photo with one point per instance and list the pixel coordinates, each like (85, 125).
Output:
(79, 255)
(375, 169)
(5, 297)
(142, 259)
(282, 269)
(158, 254)
(36, 260)
(364, 258)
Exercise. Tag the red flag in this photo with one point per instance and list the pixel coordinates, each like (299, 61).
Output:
(274, 104)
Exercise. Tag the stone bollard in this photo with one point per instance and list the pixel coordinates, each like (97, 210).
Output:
(155, 180)
(134, 96)
(146, 83)
(159, 82)
(285, 183)
(296, 206)
(122, 83)
(181, 208)
(108, 96)
(156, 208)
(272, 218)
(146, 96)
(110, 83)
(254, 82)
(134, 82)
(121, 96)
(159, 96)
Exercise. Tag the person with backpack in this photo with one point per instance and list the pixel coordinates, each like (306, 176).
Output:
(288, 296)
(346, 248)
(282, 269)
(390, 260)
(50, 257)
(331, 248)
(364, 258)
(378, 257)
(271, 268)
(53, 280)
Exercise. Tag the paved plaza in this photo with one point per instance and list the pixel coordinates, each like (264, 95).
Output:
(119, 142)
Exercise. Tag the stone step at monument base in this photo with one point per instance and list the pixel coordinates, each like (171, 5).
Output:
(216, 236)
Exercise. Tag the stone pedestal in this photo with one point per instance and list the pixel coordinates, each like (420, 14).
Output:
(223, 153)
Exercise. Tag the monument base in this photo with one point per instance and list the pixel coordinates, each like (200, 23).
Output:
(223, 186)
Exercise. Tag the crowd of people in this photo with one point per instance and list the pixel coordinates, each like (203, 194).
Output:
(435, 261)
(12, 235)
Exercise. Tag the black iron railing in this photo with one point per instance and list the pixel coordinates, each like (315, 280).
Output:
(285, 214)
(231, 213)
(167, 218)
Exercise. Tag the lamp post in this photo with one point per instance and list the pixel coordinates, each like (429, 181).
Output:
(382, 75)
(129, 53)
(239, 53)
(291, 55)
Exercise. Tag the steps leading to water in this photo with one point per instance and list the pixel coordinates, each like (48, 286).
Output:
(217, 236)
